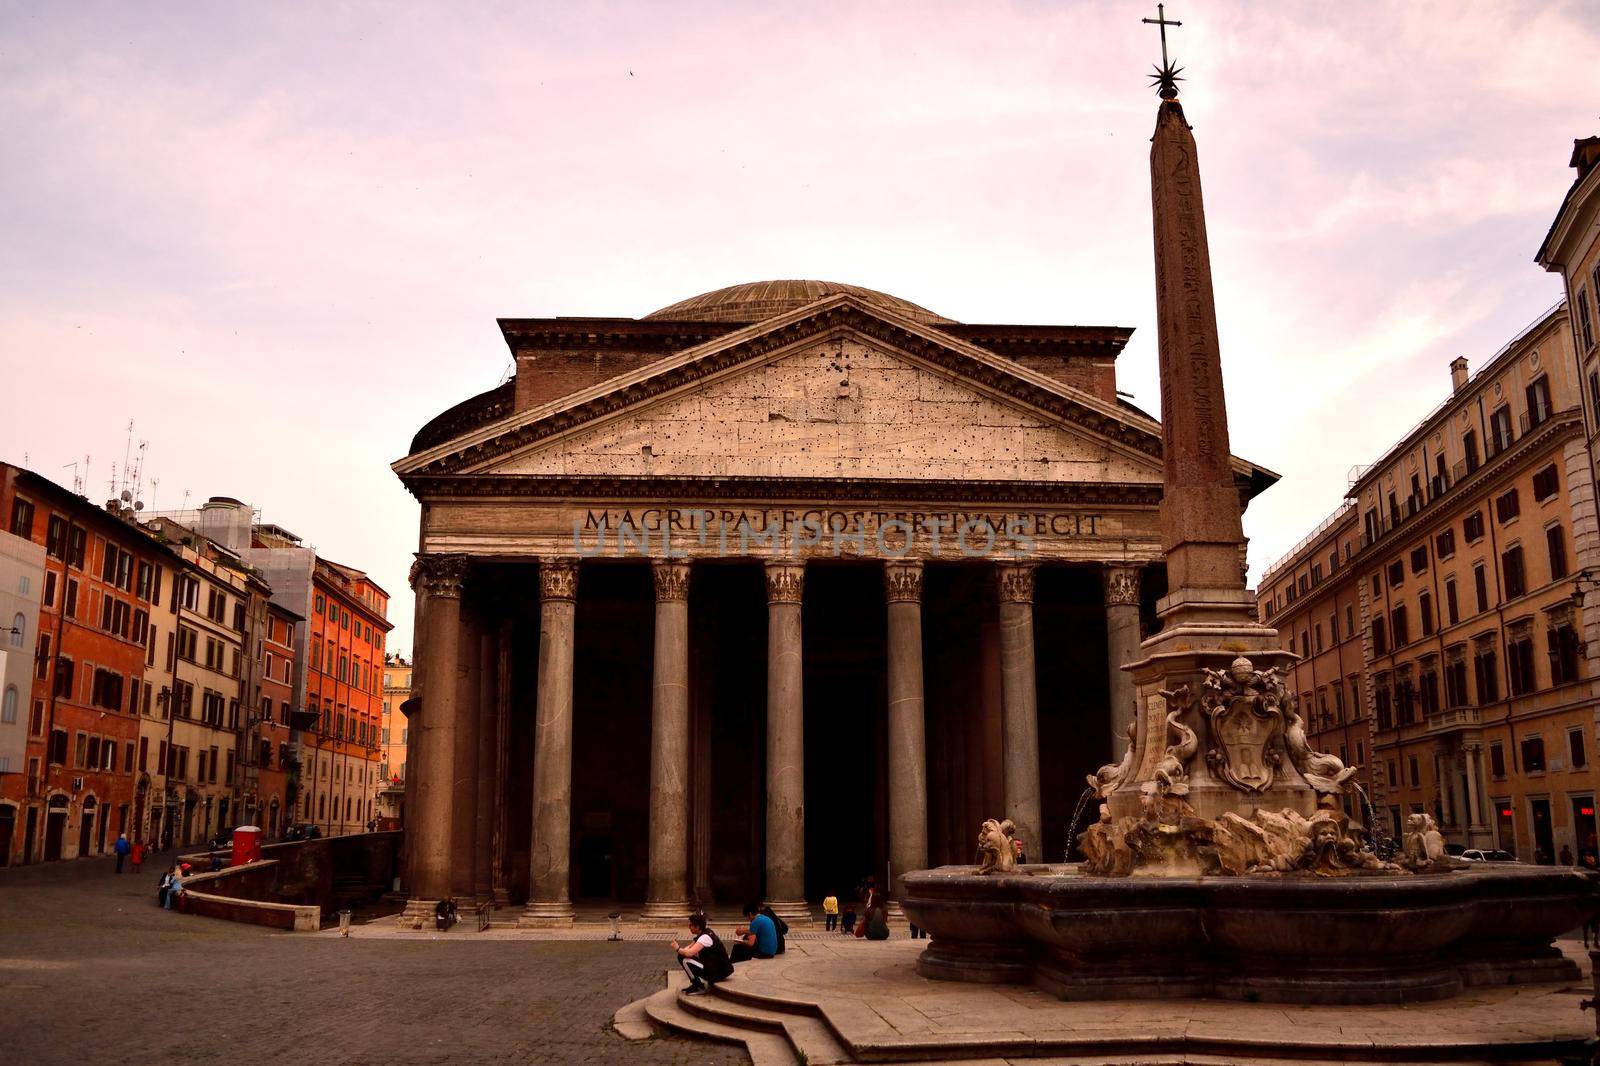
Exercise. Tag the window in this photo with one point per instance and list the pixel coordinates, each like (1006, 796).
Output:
(1379, 643)
(1538, 394)
(1444, 545)
(1533, 755)
(1519, 660)
(1385, 707)
(1565, 651)
(63, 683)
(1480, 586)
(58, 747)
(19, 629)
(1397, 625)
(1512, 573)
(55, 537)
(1333, 627)
(1397, 574)
(42, 657)
(1546, 483)
(1428, 691)
(1556, 544)
(1497, 760)
(1472, 526)
(1451, 606)
(1506, 507)
(77, 541)
(8, 706)
(1455, 681)
(1416, 772)
(1485, 674)
(1425, 613)
(1350, 620)
(1469, 445)
(1585, 320)
(1419, 559)
(1500, 430)
(22, 518)
(1577, 755)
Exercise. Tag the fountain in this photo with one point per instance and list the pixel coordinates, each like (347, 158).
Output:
(1222, 863)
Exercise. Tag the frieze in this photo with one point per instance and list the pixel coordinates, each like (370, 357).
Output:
(671, 580)
(902, 582)
(558, 579)
(785, 583)
(1015, 583)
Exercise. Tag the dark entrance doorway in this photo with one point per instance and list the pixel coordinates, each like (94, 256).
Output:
(86, 826)
(1505, 828)
(1583, 831)
(614, 638)
(1544, 851)
(30, 835)
(8, 825)
(846, 689)
(55, 828)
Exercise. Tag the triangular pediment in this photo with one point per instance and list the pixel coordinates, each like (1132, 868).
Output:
(838, 389)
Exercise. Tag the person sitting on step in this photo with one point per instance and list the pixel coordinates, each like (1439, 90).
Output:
(757, 940)
(704, 958)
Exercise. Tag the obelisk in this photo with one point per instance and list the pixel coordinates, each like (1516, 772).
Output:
(1207, 617)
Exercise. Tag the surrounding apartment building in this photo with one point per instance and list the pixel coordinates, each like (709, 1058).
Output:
(99, 589)
(1572, 247)
(1457, 561)
(275, 764)
(396, 735)
(344, 680)
(21, 585)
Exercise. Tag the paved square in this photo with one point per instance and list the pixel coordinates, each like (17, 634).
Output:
(92, 971)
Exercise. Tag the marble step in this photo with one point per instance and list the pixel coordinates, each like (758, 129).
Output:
(808, 1035)
(764, 1049)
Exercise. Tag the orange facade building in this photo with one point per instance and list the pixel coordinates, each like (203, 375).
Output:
(342, 758)
(103, 579)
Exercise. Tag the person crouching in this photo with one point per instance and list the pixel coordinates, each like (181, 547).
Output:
(704, 958)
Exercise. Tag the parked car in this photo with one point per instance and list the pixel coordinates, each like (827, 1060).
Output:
(1487, 855)
(1456, 850)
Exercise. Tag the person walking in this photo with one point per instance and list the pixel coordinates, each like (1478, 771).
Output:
(830, 911)
(703, 958)
(136, 855)
(122, 849)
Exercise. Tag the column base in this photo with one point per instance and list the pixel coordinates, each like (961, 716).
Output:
(665, 913)
(418, 915)
(793, 911)
(537, 915)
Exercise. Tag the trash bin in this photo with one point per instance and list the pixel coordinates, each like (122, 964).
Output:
(246, 845)
(344, 923)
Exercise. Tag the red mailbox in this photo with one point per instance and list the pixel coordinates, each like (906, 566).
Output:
(246, 845)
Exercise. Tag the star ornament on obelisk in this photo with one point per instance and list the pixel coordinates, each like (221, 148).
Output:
(1166, 75)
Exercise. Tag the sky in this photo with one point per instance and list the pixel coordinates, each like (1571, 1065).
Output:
(276, 237)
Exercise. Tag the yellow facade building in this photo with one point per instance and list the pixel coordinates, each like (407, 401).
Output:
(396, 690)
(1454, 569)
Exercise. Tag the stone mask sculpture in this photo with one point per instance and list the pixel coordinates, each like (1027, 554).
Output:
(997, 855)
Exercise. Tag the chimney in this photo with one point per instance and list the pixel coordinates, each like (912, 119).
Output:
(1458, 373)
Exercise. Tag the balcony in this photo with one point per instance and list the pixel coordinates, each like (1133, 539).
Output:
(1454, 719)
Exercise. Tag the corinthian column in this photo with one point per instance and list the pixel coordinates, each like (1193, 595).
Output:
(668, 901)
(464, 782)
(549, 900)
(786, 777)
(1020, 705)
(908, 768)
(1122, 647)
(429, 831)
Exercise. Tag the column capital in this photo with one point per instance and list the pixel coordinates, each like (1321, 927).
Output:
(1015, 582)
(902, 580)
(558, 578)
(439, 574)
(671, 580)
(785, 582)
(1121, 585)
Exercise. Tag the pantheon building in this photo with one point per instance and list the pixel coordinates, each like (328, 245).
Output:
(774, 588)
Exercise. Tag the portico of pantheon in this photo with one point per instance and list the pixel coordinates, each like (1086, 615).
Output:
(775, 588)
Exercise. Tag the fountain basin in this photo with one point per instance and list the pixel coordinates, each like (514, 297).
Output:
(1350, 940)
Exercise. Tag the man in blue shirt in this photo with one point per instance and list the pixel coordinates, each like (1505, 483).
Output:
(757, 940)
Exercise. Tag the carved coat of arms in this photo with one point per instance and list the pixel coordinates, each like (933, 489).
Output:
(1244, 710)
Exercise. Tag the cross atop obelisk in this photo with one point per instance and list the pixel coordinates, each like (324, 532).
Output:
(1166, 75)
(1200, 527)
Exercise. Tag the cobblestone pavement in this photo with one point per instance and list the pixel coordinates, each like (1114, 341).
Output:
(91, 970)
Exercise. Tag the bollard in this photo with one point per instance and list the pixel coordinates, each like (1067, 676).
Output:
(616, 926)
(344, 923)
